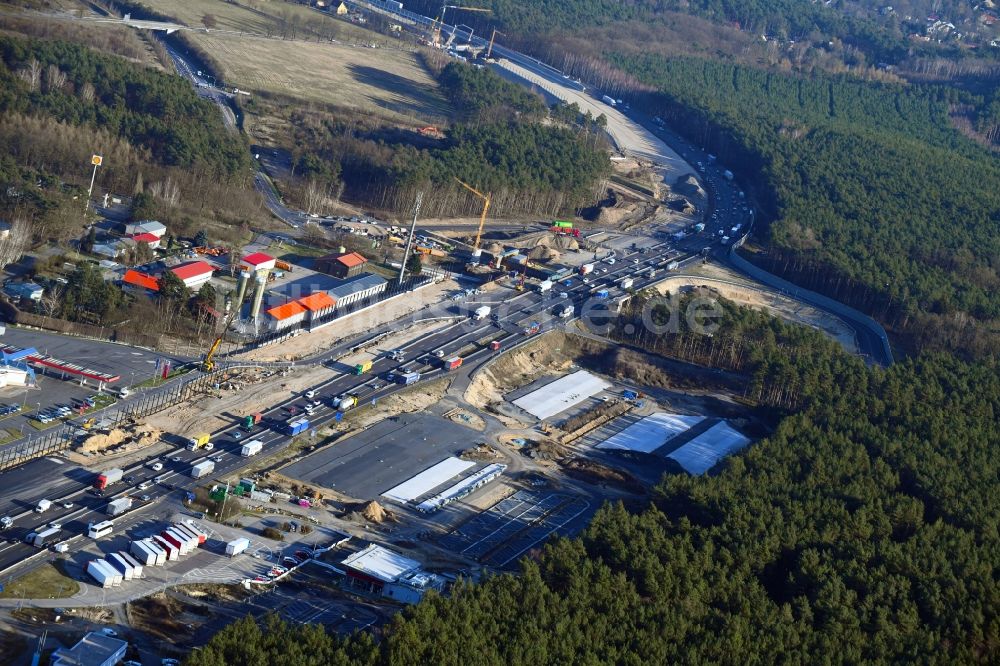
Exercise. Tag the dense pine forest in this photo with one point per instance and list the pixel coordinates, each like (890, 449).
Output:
(864, 530)
(500, 144)
(868, 193)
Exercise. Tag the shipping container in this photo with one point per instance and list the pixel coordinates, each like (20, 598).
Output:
(123, 567)
(251, 448)
(119, 506)
(296, 426)
(105, 479)
(237, 546)
(453, 363)
(362, 368)
(204, 468)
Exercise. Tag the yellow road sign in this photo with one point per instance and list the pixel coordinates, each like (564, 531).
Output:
(96, 160)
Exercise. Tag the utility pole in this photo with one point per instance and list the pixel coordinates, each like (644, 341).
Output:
(96, 161)
(409, 238)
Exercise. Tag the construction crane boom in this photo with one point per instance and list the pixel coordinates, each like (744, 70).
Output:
(482, 218)
(208, 364)
(489, 51)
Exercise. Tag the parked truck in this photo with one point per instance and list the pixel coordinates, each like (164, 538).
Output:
(104, 573)
(251, 448)
(453, 363)
(251, 420)
(362, 368)
(544, 286)
(45, 537)
(296, 426)
(110, 477)
(119, 506)
(586, 269)
(43, 506)
(237, 546)
(204, 468)
(481, 312)
(198, 441)
(610, 101)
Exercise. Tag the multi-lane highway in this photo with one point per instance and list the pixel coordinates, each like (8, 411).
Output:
(75, 504)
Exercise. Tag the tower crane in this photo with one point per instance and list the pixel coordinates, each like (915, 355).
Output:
(207, 365)
(487, 198)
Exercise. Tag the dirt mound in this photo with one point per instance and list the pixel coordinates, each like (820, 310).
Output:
(543, 253)
(481, 452)
(374, 512)
(689, 187)
(494, 248)
(596, 473)
(102, 441)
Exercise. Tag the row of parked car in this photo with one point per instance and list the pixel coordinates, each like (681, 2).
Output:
(6, 410)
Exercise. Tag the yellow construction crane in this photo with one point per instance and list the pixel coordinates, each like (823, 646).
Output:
(489, 51)
(439, 21)
(482, 218)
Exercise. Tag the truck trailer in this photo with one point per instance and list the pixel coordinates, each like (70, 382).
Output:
(197, 531)
(453, 363)
(237, 546)
(143, 553)
(296, 426)
(198, 441)
(202, 468)
(134, 563)
(119, 506)
(408, 378)
(251, 420)
(104, 573)
(46, 537)
(251, 448)
(173, 552)
(362, 368)
(107, 478)
(121, 565)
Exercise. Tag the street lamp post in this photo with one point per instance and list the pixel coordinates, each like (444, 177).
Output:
(96, 161)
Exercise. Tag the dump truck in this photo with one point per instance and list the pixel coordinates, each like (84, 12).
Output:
(453, 363)
(204, 468)
(107, 478)
(237, 546)
(481, 312)
(586, 269)
(251, 448)
(45, 537)
(198, 441)
(362, 368)
(43, 505)
(119, 506)
(251, 420)
(296, 426)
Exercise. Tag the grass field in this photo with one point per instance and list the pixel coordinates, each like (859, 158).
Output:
(391, 82)
(46, 582)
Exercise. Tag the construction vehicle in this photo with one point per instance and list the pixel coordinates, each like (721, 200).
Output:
(565, 231)
(208, 364)
(282, 265)
(487, 198)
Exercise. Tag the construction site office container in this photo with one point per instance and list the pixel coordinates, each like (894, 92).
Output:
(173, 552)
(143, 553)
(237, 546)
(136, 566)
(158, 550)
(126, 570)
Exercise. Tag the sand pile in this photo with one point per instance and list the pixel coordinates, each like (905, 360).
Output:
(101, 441)
(373, 512)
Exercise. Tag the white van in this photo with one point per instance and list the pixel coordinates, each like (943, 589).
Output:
(123, 392)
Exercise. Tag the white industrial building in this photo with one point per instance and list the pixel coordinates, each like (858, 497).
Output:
(562, 394)
(382, 571)
(357, 289)
(94, 649)
(428, 480)
(650, 433)
(194, 273)
(702, 452)
(145, 227)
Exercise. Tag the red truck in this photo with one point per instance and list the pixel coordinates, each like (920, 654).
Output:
(105, 479)
(453, 362)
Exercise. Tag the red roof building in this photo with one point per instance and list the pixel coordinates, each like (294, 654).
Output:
(317, 304)
(194, 273)
(258, 261)
(141, 280)
(150, 239)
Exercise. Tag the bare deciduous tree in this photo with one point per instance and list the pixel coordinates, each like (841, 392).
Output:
(55, 78)
(32, 74)
(15, 241)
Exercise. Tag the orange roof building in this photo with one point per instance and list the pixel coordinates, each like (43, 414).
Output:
(284, 316)
(341, 264)
(142, 280)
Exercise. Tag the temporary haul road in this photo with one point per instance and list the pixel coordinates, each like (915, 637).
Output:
(19, 495)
